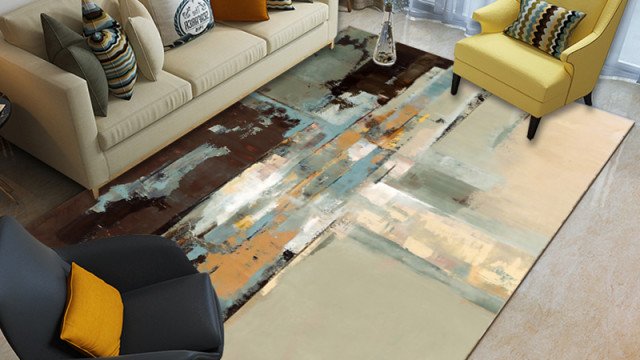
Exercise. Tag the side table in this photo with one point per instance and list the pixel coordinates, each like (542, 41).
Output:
(5, 114)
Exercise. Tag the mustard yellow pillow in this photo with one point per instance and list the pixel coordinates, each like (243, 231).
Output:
(240, 10)
(93, 315)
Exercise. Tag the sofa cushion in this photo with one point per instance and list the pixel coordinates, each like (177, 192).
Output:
(178, 314)
(517, 64)
(214, 57)
(144, 37)
(22, 27)
(153, 100)
(147, 45)
(286, 26)
(133, 8)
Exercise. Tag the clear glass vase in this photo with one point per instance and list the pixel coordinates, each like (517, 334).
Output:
(385, 52)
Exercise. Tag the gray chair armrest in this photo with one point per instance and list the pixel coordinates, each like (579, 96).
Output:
(186, 309)
(130, 262)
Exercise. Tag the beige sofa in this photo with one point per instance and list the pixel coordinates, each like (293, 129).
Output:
(53, 119)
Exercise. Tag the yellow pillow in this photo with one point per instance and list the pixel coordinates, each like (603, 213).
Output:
(240, 10)
(93, 316)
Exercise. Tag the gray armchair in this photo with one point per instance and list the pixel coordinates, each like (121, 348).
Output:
(171, 310)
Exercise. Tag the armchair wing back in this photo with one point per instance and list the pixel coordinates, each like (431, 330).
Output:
(584, 59)
(530, 79)
(33, 293)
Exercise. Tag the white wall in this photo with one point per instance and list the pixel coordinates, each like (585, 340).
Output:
(630, 54)
(8, 5)
(624, 59)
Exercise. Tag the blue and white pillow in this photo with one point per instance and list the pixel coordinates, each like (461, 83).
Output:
(180, 21)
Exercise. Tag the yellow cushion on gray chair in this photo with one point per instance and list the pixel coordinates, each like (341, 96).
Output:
(92, 321)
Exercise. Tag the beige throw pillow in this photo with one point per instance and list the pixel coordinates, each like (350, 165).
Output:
(147, 45)
(133, 8)
(144, 37)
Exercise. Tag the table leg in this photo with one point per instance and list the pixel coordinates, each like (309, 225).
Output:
(7, 152)
(7, 190)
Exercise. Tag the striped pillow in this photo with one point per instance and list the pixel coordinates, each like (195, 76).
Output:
(110, 45)
(280, 5)
(545, 26)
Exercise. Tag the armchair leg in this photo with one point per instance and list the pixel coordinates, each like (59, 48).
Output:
(588, 100)
(455, 83)
(533, 127)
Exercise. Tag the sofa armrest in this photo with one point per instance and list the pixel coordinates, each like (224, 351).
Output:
(52, 116)
(333, 17)
(132, 261)
(496, 16)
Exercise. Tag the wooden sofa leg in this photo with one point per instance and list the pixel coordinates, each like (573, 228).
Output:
(533, 127)
(95, 192)
(455, 83)
(588, 100)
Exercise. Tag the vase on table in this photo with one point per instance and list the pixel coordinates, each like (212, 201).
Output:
(385, 51)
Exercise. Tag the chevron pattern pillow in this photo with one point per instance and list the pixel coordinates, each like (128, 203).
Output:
(110, 45)
(544, 26)
(280, 5)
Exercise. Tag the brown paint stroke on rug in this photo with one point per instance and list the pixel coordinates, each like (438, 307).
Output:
(387, 82)
(72, 222)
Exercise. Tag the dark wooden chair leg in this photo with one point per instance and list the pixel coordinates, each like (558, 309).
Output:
(588, 100)
(533, 127)
(455, 83)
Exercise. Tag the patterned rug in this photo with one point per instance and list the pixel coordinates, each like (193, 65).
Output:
(338, 145)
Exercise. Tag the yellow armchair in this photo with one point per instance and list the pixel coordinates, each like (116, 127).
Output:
(528, 78)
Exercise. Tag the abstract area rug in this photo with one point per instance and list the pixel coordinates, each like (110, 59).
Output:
(403, 200)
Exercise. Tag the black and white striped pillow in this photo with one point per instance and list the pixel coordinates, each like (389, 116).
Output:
(280, 5)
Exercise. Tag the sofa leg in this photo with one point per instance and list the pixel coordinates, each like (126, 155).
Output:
(95, 192)
(455, 83)
(588, 100)
(332, 45)
(533, 127)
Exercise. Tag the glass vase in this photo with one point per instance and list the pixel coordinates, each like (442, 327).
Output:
(385, 51)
